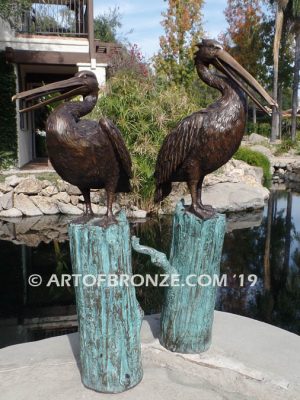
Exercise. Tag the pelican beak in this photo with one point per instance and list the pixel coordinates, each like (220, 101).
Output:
(64, 89)
(228, 65)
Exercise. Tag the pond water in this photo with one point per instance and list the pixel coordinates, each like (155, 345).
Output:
(264, 243)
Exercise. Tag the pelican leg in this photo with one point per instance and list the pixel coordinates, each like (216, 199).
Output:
(109, 214)
(87, 200)
(195, 207)
(205, 207)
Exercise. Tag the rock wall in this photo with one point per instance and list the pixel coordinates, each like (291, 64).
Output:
(32, 197)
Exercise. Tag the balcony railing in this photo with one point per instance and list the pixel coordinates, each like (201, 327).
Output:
(55, 17)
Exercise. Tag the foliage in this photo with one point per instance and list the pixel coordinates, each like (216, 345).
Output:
(106, 25)
(242, 36)
(8, 126)
(7, 159)
(183, 29)
(286, 145)
(256, 159)
(11, 10)
(129, 60)
(145, 109)
(263, 128)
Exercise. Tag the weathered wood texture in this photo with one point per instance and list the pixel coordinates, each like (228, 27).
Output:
(187, 314)
(109, 317)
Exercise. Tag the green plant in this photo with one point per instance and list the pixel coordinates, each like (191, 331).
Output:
(7, 159)
(256, 159)
(8, 125)
(285, 146)
(262, 128)
(145, 109)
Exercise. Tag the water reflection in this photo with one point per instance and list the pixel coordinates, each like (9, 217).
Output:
(265, 244)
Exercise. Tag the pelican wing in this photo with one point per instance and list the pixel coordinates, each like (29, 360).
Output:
(176, 147)
(118, 143)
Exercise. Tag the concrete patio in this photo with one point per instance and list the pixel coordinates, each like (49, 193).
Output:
(247, 360)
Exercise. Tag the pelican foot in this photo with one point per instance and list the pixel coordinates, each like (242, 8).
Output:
(206, 207)
(202, 212)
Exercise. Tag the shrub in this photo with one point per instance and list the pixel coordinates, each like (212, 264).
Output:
(262, 128)
(145, 109)
(8, 125)
(285, 146)
(7, 159)
(256, 159)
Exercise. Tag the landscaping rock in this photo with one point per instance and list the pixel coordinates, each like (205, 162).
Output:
(227, 197)
(13, 180)
(62, 185)
(7, 201)
(71, 189)
(48, 206)
(74, 200)
(49, 191)
(256, 139)
(46, 183)
(5, 188)
(62, 197)
(29, 186)
(11, 213)
(26, 205)
(68, 209)
(140, 214)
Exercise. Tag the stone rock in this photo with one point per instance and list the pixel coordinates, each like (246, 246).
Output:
(49, 191)
(71, 189)
(234, 171)
(7, 201)
(11, 213)
(4, 188)
(13, 180)
(29, 186)
(227, 197)
(46, 183)
(62, 185)
(74, 200)
(95, 198)
(68, 209)
(62, 197)
(26, 205)
(140, 214)
(256, 139)
(241, 364)
(263, 150)
(46, 205)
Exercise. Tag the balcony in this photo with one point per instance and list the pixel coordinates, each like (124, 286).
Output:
(55, 18)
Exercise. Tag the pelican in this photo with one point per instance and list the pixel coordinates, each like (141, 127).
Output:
(207, 139)
(85, 153)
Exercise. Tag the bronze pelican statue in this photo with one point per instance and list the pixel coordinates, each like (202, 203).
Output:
(85, 153)
(207, 139)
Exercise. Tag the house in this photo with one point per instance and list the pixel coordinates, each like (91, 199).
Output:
(52, 40)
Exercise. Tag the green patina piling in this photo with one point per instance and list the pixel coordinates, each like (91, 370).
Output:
(109, 316)
(196, 249)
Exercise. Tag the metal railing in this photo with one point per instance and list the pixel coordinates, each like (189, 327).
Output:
(55, 17)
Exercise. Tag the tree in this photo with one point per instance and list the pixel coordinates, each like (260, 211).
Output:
(294, 18)
(285, 61)
(241, 39)
(12, 10)
(106, 25)
(183, 29)
(279, 24)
